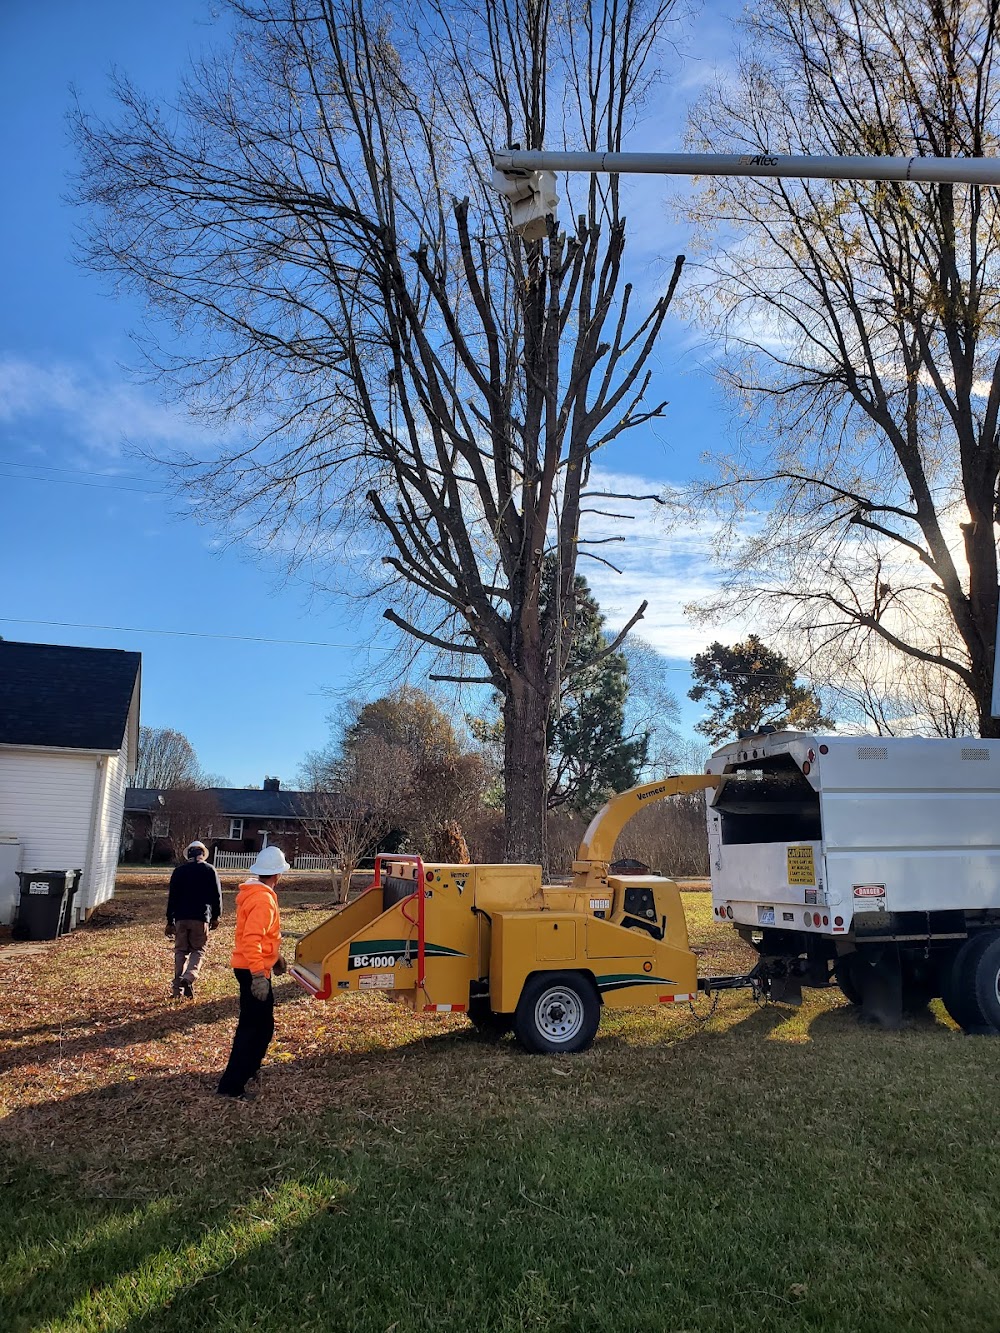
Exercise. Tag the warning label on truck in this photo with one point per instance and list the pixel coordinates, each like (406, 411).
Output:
(869, 890)
(801, 868)
(376, 981)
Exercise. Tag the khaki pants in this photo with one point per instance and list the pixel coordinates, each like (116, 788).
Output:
(189, 949)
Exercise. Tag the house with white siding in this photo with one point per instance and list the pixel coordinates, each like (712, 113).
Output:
(69, 735)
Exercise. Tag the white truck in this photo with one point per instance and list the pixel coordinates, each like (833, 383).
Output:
(867, 862)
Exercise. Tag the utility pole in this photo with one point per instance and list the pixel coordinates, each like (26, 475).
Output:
(527, 178)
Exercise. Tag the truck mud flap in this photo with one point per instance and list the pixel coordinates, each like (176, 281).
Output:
(879, 980)
(786, 990)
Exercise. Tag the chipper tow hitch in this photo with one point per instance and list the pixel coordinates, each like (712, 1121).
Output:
(757, 979)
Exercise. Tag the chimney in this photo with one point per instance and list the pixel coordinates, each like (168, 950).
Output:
(272, 784)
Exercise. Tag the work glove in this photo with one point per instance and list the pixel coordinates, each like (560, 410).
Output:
(280, 967)
(260, 988)
(170, 930)
(213, 923)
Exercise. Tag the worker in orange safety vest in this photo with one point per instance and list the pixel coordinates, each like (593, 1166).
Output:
(256, 956)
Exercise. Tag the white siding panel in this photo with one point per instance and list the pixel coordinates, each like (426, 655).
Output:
(109, 829)
(46, 799)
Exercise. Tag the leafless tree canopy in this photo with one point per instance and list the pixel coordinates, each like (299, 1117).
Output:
(166, 759)
(314, 220)
(355, 802)
(440, 778)
(191, 813)
(861, 325)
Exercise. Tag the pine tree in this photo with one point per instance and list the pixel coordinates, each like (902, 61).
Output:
(748, 686)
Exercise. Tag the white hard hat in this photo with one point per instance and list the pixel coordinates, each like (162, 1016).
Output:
(270, 861)
(195, 847)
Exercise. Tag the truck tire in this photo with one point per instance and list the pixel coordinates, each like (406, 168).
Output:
(488, 1025)
(844, 975)
(961, 989)
(557, 1014)
(988, 982)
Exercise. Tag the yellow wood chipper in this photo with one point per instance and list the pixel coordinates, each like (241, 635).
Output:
(495, 943)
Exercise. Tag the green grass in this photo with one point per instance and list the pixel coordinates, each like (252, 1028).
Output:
(769, 1170)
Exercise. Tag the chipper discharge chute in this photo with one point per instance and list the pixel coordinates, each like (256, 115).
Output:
(491, 941)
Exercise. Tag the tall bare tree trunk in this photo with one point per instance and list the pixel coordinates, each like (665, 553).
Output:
(525, 715)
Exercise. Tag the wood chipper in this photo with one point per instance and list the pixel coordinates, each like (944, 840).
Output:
(492, 941)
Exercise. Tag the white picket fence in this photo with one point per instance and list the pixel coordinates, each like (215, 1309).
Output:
(244, 860)
(234, 860)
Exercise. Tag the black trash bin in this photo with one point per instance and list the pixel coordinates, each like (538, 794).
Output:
(42, 909)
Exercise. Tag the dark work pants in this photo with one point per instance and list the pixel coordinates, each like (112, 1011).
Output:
(253, 1036)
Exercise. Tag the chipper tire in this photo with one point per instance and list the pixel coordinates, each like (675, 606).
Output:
(557, 1014)
(969, 981)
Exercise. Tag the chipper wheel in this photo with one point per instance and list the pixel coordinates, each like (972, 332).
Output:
(558, 1013)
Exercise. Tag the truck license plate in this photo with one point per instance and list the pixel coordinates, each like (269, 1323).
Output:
(765, 916)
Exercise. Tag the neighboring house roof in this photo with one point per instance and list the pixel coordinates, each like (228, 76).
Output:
(240, 803)
(68, 698)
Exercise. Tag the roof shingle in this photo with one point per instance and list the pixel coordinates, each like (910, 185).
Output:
(69, 698)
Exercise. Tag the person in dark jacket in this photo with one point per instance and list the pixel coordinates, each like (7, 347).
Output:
(194, 906)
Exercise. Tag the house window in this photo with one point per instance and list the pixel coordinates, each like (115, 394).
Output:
(161, 826)
(236, 828)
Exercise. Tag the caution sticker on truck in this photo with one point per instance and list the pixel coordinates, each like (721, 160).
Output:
(801, 866)
(377, 981)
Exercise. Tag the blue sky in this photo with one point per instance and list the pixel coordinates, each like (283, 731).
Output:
(131, 556)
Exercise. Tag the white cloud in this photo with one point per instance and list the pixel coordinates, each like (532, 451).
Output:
(102, 410)
(668, 567)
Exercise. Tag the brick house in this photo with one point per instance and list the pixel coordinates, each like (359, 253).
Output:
(237, 819)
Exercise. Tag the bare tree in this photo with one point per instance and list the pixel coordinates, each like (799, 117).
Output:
(880, 693)
(354, 803)
(860, 321)
(446, 776)
(166, 758)
(651, 707)
(417, 383)
(190, 812)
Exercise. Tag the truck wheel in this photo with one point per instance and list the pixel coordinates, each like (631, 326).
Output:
(844, 974)
(988, 982)
(961, 989)
(488, 1025)
(558, 1013)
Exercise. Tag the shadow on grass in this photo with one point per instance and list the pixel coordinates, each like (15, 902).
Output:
(541, 1210)
(174, 1016)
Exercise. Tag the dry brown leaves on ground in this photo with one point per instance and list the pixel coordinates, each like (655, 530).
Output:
(94, 1051)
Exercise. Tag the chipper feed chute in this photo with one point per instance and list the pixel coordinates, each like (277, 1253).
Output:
(405, 937)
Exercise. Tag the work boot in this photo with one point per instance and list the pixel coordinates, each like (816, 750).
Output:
(176, 990)
(188, 989)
